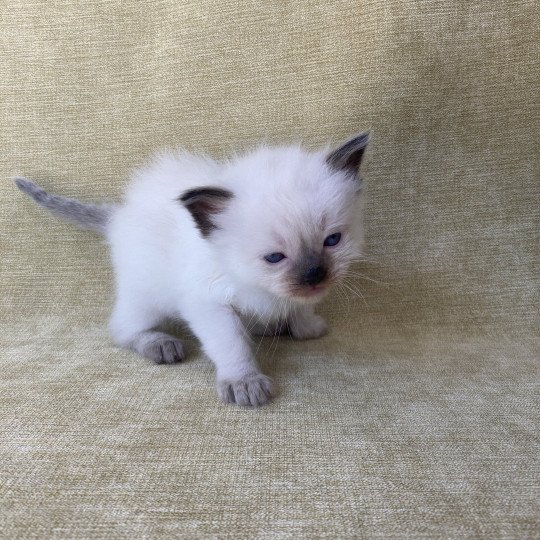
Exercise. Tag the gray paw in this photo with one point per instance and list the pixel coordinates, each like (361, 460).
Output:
(164, 349)
(249, 391)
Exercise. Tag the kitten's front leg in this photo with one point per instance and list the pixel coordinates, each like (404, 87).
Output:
(224, 340)
(305, 324)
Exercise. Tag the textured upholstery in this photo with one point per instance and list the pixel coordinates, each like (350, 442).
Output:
(419, 413)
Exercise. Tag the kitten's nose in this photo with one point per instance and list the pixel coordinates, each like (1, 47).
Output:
(315, 275)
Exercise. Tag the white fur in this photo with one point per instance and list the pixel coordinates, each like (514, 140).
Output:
(284, 199)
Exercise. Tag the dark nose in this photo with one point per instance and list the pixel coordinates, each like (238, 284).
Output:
(314, 275)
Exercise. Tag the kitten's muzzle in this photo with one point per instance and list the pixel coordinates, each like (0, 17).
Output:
(310, 277)
(314, 275)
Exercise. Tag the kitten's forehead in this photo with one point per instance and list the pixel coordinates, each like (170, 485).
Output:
(288, 193)
(300, 232)
(276, 165)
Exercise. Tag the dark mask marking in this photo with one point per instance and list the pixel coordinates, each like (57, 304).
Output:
(311, 269)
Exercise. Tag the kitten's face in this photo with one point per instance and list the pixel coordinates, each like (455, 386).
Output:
(285, 220)
(292, 225)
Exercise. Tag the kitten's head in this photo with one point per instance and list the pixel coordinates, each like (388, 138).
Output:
(284, 219)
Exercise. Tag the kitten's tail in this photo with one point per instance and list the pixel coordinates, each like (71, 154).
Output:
(86, 215)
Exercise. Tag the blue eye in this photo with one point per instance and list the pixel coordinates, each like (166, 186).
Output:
(332, 240)
(274, 257)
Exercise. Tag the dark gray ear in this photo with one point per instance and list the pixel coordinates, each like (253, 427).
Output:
(349, 155)
(203, 204)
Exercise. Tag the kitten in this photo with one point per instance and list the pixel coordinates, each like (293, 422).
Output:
(252, 242)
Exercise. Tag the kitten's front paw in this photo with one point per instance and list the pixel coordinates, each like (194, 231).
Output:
(249, 391)
(308, 328)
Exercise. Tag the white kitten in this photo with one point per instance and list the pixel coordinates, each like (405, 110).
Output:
(254, 242)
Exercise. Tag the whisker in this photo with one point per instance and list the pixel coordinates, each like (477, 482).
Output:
(282, 310)
(271, 347)
(252, 319)
(266, 327)
(354, 273)
(355, 292)
(344, 298)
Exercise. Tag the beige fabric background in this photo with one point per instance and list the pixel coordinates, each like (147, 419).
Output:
(418, 415)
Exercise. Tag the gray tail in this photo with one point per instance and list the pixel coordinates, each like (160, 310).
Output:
(87, 216)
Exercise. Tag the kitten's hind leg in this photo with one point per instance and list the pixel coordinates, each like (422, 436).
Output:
(272, 329)
(157, 346)
(133, 328)
(303, 323)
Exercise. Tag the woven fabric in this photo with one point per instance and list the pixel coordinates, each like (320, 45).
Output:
(419, 413)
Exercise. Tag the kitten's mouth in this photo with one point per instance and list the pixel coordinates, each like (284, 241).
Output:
(315, 289)
(312, 292)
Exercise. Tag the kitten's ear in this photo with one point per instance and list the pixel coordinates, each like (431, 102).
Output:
(203, 204)
(348, 156)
